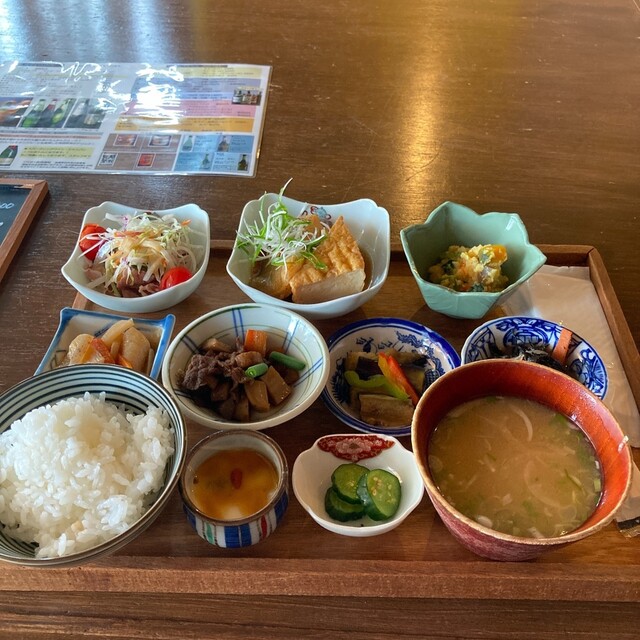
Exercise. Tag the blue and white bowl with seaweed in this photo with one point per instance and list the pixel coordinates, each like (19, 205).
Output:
(500, 337)
(374, 335)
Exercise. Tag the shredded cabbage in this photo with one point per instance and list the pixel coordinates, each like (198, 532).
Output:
(144, 246)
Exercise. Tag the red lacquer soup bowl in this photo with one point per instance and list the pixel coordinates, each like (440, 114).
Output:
(549, 387)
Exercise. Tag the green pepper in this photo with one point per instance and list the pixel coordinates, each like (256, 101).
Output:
(377, 382)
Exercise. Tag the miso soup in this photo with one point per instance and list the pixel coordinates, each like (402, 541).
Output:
(515, 466)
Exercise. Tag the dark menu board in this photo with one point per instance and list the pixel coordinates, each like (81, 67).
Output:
(19, 203)
(12, 198)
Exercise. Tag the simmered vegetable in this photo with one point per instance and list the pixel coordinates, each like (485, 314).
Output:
(237, 381)
(122, 343)
(385, 387)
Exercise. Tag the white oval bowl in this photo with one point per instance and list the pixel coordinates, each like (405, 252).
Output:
(73, 269)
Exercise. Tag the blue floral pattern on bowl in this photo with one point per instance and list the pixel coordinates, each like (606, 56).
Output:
(374, 335)
(494, 337)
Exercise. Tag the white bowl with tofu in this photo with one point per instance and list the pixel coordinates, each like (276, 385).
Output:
(346, 268)
(356, 392)
(212, 351)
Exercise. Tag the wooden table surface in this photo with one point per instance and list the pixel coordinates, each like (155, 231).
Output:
(497, 104)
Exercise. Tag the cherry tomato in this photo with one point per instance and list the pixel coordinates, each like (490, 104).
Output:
(89, 246)
(174, 276)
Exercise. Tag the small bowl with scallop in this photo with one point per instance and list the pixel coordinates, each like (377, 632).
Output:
(139, 261)
(235, 488)
(357, 485)
(379, 368)
(519, 459)
(321, 261)
(247, 366)
(466, 263)
(90, 455)
(539, 340)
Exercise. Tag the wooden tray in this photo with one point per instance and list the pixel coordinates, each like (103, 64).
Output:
(418, 559)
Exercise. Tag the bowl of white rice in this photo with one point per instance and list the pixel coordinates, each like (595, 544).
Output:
(89, 456)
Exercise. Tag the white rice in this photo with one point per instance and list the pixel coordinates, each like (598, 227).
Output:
(79, 472)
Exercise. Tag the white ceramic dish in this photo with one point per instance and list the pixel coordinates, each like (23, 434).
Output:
(377, 334)
(368, 223)
(288, 331)
(312, 471)
(73, 322)
(503, 334)
(73, 269)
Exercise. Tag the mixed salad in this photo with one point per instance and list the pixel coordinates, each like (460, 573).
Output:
(143, 254)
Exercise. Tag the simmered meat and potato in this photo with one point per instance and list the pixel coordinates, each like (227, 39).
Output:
(238, 380)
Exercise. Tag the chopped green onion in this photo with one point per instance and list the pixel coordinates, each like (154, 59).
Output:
(256, 370)
(278, 237)
(287, 361)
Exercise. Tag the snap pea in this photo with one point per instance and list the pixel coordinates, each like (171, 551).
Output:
(256, 370)
(287, 361)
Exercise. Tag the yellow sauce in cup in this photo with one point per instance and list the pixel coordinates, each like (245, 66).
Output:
(233, 484)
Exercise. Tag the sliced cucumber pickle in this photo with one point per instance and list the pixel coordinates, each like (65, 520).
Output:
(340, 509)
(380, 493)
(345, 479)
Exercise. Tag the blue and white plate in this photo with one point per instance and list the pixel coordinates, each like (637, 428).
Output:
(73, 322)
(502, 334)
(374, 335)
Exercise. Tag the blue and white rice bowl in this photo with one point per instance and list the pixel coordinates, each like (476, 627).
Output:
(132, 391)
(288, 331)
(377, 334)
(502, 334)
(233, 534)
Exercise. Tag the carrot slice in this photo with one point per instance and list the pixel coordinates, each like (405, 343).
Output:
(392, 370)
(123, 362)
(559, 352)
(97, 353)
(256, 340)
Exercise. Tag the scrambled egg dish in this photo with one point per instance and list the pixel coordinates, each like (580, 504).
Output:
(471, 269)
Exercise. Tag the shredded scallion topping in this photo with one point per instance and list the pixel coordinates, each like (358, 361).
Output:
(279, 237)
